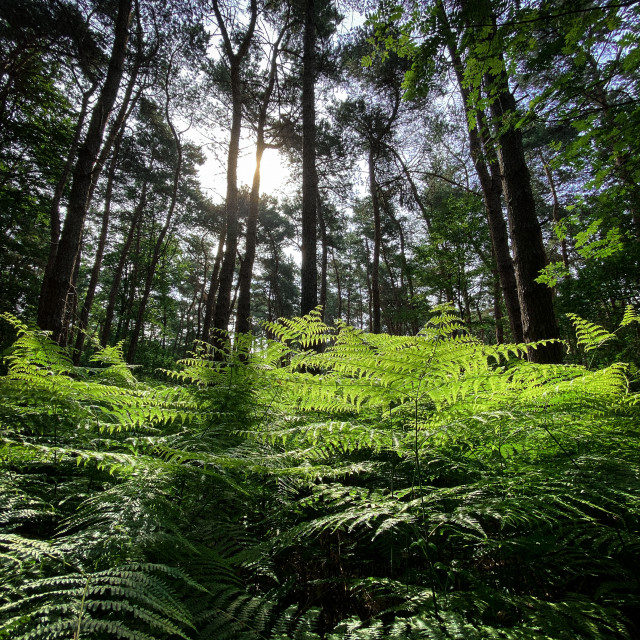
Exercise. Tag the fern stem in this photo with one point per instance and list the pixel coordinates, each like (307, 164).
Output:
(567, 453)
(424, 533)
(76, 635)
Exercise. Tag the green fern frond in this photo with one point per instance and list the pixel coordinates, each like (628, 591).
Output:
(590, 335)
(630, 316)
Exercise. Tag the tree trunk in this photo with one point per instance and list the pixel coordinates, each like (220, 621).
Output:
(555, 209)
(338, 282)
(157, 250)
(54, 296)
(54, 231)
(497, 309)
(405, 272)
(490, 184)
(377, 240)
(243, 315)
(213, 287)
(323, 261)
(222, 309)
(369, 286)
(97, 264)
(394, 322)
(529, 257)
(126, 309)
(309, 267)
(124, 253)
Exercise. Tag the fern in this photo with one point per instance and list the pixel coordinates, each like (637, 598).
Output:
(630, 316)
(128, 601)
(590, 336)
(381, 487)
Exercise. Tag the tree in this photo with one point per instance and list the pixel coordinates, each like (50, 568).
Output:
(486, 165)
(309, 268)
(243, 322)
(529, 257)
(54, 305)
(373, 119)
(485, 71)
(40, 124)
(234, 60)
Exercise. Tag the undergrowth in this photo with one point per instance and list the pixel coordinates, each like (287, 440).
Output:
(326, 484)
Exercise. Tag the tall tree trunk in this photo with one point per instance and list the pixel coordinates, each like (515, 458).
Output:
(54, 216)
(160, 242)
(309, 267)
(222, 309)
(338, 282)
(213, 287)
(442, 268)
(370, 288)
(394, 323)
(529, 257)
(497, 309)
(97, 263)
(405, 272)
(555, 209)
(119, 270)
(203, 294)
(491, 181)
(323, 260)
(116, 128)
(126, 309)
(243, 315)
(54, 296)
(377, 240)
(72, 300)
(490, 184)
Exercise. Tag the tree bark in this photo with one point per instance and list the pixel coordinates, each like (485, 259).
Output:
(323, 260)
(490, 184)
(54, 216)
(529, 256)
(213, 287)
(497, 309)
(491, 181)
(97, 263)
(157, 250)
(243, 315)
(54, 296)
(309, 267)
(555, 209)
(377, 239)
(222, 309)
(338, 283)
(124, 253)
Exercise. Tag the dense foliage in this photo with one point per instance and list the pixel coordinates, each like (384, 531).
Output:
(444, 444)
(327, 483)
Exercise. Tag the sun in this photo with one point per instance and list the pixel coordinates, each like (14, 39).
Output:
(274, 173)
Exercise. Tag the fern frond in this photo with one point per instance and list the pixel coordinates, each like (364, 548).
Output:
(630, 316)
(590, 335)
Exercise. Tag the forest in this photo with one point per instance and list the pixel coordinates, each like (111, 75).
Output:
(320, 319)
